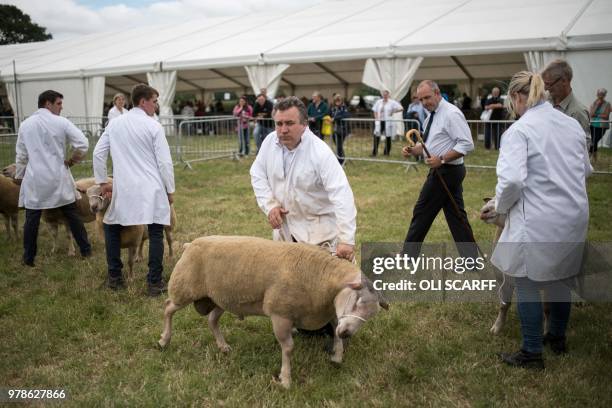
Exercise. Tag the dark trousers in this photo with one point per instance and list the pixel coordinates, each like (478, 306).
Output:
(376, 141)
(244, 141)
(529, 306)
(32, 222)
(112, 236)
(493, 132)
(596, 135)
(434, 198)
(339, 141)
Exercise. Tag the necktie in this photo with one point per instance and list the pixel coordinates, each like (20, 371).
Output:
(431, 117)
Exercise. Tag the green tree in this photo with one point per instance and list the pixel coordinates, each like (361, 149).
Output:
(17, 27)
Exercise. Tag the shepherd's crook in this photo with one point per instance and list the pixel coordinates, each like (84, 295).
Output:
(441, 179)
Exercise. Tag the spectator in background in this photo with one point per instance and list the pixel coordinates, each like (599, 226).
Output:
(188, 110)
(118, 108)
(466, 103)
(316, 110)
(493, 131)
(219, 108)
(262, 112)
(385, 126)
(600, 116)
(338, 113)
(243, 112)
(557, 78)
(415, 111)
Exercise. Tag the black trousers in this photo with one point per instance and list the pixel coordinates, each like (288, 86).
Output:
(376, 141)
(32, 222)
(112, 236)
(339, 141)
(434, 198)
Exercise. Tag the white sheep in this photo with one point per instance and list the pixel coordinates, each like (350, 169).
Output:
(9, 200)
(133, 236)
(296, 285)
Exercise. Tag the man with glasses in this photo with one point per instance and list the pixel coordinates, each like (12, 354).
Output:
(300, 185)
(557, 78)
(142, 188)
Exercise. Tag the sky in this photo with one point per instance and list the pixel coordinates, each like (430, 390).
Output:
(70, 18)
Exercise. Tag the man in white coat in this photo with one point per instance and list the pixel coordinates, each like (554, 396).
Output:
(301, 187)
(143, 184)
(44, 174)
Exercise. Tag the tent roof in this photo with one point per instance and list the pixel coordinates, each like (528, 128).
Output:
(329, 33)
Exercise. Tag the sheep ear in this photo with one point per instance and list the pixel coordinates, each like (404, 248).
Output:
(486, 199)
(383, 303)
(355, 285)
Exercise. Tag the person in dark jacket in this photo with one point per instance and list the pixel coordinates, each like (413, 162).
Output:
(316, 110)
(338, 113)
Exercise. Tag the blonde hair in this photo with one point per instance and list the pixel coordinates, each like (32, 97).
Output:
(118, 95)
(525, 83)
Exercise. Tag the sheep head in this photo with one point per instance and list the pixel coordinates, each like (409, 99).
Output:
(361, 303)
(97, 203)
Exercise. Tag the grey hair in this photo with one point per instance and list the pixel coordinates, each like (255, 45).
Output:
(433, 85)
(293, 102)
(558, 68)
(604, 91)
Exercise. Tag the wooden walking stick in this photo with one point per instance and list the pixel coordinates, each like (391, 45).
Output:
(411, 143)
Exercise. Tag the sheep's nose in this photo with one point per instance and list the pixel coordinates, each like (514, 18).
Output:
(344, 334)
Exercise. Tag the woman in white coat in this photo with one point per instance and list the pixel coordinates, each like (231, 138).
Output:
(118, 108)
(541, 170)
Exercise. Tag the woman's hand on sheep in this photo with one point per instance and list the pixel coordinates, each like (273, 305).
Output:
(106, 190)
(275, 217)
(345, 251)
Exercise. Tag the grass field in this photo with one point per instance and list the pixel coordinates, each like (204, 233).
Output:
(62, 329)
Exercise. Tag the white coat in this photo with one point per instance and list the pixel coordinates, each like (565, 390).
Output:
(542, 170)
(315, 191)
(143, 174)
(385, 111)
(115, 113)
(40, 155)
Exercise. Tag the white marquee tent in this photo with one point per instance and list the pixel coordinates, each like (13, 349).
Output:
(331, 46)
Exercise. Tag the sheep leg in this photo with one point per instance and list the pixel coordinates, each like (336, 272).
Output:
(131, 256)
(338, 350)
(15, 222)
(140, 256)
(213, 323)
(169, 240)
(169, 311)
(7, 224)
(282, 330)
(71, 250)
(54, 233)
(505, 294)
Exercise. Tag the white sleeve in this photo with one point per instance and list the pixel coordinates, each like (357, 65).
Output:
(164, 158)
(77, 139)
(340, 194)
(259, 179)
(100, 154)
(21, 156)
(460, 132)
(511, 170)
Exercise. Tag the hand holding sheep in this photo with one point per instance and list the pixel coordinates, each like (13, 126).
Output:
(345, 251)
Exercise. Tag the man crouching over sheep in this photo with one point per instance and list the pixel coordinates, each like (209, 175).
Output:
(301, 187)
(47, 181)
(143, 185)
(296, 285)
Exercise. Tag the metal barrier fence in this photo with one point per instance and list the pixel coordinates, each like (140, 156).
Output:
(204, 138)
